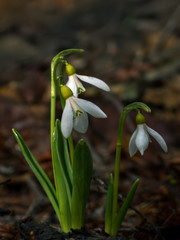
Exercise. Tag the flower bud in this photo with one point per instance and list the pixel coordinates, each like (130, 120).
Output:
(66, 92)
(140, 118)
(70, 70)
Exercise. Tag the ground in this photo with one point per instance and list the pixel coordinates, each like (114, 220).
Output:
(133, 46)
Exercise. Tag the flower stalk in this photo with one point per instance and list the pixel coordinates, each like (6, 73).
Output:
(109, 224)
(122, 120)
(59, 61)
(117, 161)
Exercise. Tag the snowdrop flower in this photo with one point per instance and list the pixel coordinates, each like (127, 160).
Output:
(76, 86)
(140, 138)
(75, 113)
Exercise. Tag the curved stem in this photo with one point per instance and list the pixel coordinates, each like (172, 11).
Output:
(127, 109)
(58, 59)
(53, 100)
(55, 85)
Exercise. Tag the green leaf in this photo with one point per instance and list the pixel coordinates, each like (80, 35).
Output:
(63, 184)
(63, 154)
(38, 172)
(108, 210)
(82, 173)
(122, 212)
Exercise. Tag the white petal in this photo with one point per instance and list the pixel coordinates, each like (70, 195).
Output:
(75, 107)
(80, 87)
(90, 108)
(72, 85)
(132, 145)
(94, 81)
(67, 120)
(81, 123)
(142, 138)
(158, 138)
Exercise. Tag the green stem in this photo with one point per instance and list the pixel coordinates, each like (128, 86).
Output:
(117, 162)
(61, 81)
(54, 86)
(71, 149)
(127, 109)
(53, 99)
(59, 60)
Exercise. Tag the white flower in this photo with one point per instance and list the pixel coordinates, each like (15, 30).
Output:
(140, 139)
(76, 86)
(75, 114)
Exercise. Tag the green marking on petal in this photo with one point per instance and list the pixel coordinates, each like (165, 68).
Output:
(80, 90)
(78, 113)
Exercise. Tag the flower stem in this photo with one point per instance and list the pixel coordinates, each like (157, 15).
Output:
(71, 149)
(53, 99)
(56, 86)
(58, 59)
(117, 162)
(127, 109)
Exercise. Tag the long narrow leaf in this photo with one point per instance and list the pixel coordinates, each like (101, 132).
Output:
(122, 212)
(82, 173)
(64, 165)
(108, 211)
(62, 150)
(38, 171)
(62, 187)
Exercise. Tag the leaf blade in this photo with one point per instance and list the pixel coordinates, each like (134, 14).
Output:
(109, 202)
(66, 163)
(62, 187)
(38, 171)
(82, 173)
(122, 212)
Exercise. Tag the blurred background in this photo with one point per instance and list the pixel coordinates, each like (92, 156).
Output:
(134, 46)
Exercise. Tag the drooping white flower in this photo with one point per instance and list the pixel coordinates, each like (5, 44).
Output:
(75, 113)
(75, 84)
(140, 138)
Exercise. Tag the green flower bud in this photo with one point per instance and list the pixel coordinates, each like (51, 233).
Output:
(70, 70)
(66, 92)
(140, 118)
